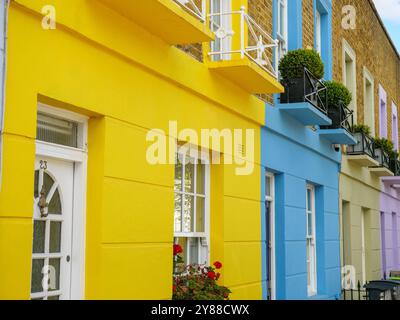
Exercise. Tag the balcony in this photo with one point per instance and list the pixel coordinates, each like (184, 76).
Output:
(339, 132)
(384, 168)
(302, 100)
(363, 153)
(175, 21)
(245, 55)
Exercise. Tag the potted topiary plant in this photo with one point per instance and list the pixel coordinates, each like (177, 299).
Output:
(362, 133)
(361, 128)
(338, 98)
(293, 77)
(384, 151)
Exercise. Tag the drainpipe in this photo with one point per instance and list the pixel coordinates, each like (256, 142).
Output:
(4, 5)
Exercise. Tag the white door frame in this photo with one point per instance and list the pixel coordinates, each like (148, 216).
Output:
(313, 288)
(271, 226)
(79, 157)
(363, 248)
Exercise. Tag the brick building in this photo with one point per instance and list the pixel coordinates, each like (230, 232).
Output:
(366, 61)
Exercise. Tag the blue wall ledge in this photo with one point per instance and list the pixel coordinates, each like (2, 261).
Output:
(306, 113)
(338, 136)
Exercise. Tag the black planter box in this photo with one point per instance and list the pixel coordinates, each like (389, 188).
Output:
(335, 115)
(296, 89)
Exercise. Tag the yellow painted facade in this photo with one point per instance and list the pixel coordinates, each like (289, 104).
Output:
(360, 195)
(127, 81)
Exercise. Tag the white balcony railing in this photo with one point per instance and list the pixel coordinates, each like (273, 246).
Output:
(254, 42)
(197, 8)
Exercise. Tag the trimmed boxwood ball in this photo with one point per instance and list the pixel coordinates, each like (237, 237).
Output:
(292, 64)
(336, 92)
(362, 128)
(386, 145)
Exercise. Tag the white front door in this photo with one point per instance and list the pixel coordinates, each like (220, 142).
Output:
(52, 231)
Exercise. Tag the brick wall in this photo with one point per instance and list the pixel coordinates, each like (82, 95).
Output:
(373, 50)
(308, 24)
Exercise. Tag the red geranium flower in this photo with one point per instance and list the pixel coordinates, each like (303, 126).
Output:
(174, 288)
(211, 275)
(177, 249)
(217, 265)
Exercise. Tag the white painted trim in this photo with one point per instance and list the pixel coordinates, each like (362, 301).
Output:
(79, 157)
(282, 37)
(367, 76)
(318, 35)
(313, 288)
(363, 248)
(194, 153)
(271, 224)
(71, 116)
(348, 50)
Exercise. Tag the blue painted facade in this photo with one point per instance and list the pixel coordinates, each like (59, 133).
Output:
(298, 156)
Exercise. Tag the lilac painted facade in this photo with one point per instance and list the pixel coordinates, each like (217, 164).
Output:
(390, 225)
(382, 112)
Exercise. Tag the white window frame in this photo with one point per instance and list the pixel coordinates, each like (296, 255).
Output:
(271, 224)
(369, 115)
(311, 244)
(282, 35)
(202, 237)
(79, 157)
(349, 52)
(318, 32)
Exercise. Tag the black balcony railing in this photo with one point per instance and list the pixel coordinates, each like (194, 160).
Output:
(306, 88)
(365, 146)
(383, 158)
(395, 167)
(374, 290)
(341, 116)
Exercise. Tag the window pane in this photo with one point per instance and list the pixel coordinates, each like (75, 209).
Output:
(309, 200)
(200, 183)
(200, 210)
(309, 224)
(178, 213)
(37, 276)
(55, 204)
(54, 283)
(189, 177)
(178, 175)
(194, 251)
(54, 298)
(268, 186)
(183, 243)
(36, 191)
(55, 237)
(47, 183)
(39, 228)
(55, 130)
(188, 206)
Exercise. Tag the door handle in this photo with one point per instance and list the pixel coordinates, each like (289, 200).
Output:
(68, 258)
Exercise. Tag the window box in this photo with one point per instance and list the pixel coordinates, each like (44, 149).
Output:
(339, 132)
(384, 168)
(175, 21)
(302, 100)
(363, 152)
